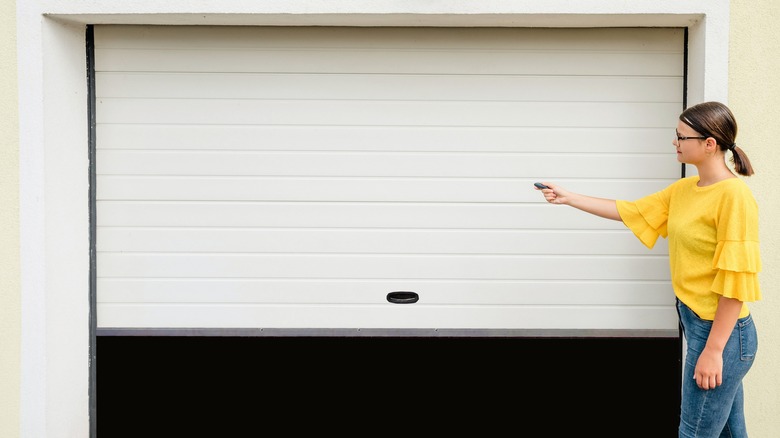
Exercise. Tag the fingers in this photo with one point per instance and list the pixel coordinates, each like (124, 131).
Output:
(547, 190)
(550, 195)
(708, 382)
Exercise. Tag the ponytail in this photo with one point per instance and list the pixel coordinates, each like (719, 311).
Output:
(740, 160)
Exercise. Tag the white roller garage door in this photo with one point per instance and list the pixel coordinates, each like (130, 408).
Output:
(291, 178)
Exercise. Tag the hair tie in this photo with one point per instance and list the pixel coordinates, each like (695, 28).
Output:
(733, 145)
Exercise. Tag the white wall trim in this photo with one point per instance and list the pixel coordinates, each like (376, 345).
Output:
(53, 141)
(32, 224)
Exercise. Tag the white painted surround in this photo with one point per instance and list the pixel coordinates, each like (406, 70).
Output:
(54, 126)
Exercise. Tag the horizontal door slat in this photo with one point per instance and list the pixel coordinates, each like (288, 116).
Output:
(387, 113)
(396, 61)
(292, 38)
(345, 215)
(367, 291)
(390, 316)
(379, 164)
(344, 189)
(204, 240)
(385, 138)
(383, 266)
(388, 87)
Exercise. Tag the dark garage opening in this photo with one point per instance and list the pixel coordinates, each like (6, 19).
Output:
(368, 386)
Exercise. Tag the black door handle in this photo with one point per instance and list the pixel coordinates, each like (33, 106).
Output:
(402, 297)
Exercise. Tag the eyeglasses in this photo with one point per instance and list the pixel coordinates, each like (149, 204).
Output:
(681, 138)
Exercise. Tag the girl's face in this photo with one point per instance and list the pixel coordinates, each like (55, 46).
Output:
(689, 144)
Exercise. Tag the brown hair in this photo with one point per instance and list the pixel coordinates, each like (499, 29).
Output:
(714, 119)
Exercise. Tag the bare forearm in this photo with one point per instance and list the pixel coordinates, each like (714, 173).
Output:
(606, 208)
(708, 373)
(555, 194)
(725, 318)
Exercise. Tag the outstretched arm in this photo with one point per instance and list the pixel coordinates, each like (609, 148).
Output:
(606, 208)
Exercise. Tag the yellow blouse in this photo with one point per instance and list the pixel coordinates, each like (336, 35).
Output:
(713, 240)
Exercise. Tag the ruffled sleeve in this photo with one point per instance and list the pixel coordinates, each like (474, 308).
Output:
(646, 217)
(737, 256)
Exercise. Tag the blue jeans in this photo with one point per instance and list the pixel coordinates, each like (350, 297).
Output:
(718, 412)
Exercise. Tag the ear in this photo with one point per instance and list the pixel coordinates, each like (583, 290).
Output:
(710, 145)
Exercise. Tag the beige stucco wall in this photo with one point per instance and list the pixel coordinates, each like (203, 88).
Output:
(754, 96)
(10, 309)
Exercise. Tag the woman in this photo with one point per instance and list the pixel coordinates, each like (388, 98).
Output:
(711, 221)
